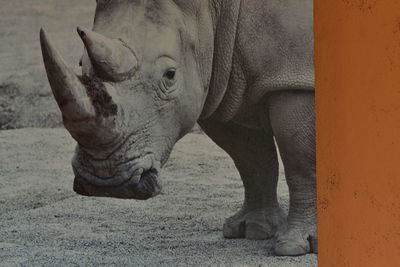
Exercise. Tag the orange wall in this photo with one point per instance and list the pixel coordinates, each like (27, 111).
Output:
(358, 131)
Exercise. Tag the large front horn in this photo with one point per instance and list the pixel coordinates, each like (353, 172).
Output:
(68, 90)
(111, 59)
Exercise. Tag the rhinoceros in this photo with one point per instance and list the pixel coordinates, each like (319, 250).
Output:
(243, 70)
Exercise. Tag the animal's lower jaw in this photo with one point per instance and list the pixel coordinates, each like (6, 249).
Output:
(147, 187)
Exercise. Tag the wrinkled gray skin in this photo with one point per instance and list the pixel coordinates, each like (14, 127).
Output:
(152, 69)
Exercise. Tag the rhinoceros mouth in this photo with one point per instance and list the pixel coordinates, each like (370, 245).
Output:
(148, 186)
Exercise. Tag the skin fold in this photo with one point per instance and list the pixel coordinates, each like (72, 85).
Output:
(153, 68)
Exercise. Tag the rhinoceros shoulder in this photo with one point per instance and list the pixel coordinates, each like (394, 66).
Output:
(273, 51)
(275, 43)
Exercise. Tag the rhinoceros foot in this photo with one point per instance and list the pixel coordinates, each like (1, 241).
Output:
(296, 240)
(254, 224)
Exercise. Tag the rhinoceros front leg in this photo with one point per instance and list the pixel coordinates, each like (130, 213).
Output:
(292, 118)
(254, 154)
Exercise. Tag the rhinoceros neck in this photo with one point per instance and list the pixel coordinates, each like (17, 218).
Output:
(226, 14)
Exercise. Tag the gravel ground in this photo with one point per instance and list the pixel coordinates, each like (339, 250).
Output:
(44, 223)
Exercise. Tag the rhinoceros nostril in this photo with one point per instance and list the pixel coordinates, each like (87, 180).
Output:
(81, 32)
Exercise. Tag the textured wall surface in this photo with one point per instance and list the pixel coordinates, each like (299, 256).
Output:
(358, 99)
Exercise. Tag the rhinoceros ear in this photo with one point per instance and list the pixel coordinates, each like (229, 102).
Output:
(111, 59)
(68, 90)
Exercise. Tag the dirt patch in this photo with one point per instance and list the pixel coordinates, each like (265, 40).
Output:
(102, 101)
(44, 223)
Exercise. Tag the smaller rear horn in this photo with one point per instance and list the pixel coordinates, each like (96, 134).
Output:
(111, 59)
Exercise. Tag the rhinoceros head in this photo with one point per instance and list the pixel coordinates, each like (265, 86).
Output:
(143, 85)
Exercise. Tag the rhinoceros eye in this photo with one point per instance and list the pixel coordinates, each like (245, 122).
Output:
(170, 74)
(169, 79)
